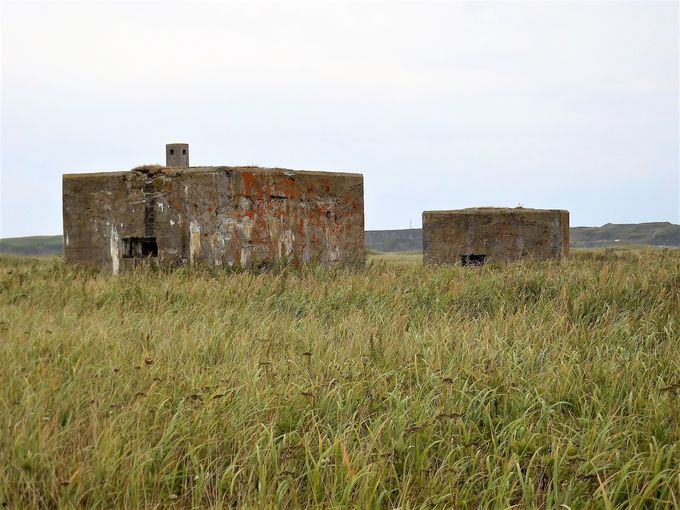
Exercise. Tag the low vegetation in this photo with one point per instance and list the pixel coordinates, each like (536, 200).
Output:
(552, 385)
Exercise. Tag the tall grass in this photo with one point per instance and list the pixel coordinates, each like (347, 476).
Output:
(529, 385)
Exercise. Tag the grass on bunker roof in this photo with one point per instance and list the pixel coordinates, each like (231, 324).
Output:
(533, 385)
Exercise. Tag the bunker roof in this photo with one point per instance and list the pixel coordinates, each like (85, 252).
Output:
(175, 171)
(494, 210)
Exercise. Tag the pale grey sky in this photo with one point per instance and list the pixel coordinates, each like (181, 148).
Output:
(440, 105)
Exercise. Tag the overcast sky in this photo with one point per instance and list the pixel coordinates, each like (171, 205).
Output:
(440, 105)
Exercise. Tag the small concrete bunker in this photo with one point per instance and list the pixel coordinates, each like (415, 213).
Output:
(479, 235)
(221, 216)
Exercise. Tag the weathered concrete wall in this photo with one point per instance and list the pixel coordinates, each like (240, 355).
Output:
(495, 234)
(223, 216)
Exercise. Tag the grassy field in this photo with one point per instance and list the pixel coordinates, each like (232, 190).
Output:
(540, 385)
(395, 258)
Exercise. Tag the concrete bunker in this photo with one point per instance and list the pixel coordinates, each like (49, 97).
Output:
(473, 237)
(221, 216)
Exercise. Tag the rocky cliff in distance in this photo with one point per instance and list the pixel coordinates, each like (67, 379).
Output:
(610, 234)
(394, 240)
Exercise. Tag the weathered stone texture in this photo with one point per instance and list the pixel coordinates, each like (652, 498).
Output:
(222, 216)
(484, 235)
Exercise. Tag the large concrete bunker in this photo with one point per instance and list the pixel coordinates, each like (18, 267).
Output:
(479, 235)
(222, 216)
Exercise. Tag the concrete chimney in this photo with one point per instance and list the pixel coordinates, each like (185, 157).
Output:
(177, 154)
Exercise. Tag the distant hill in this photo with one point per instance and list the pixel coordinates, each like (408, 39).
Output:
(34, 245)
(654, 234)
(394, 240)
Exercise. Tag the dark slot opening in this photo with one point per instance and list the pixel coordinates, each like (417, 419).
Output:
(472, 259)
(184, 151)
(139, 247)
(172, 151)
